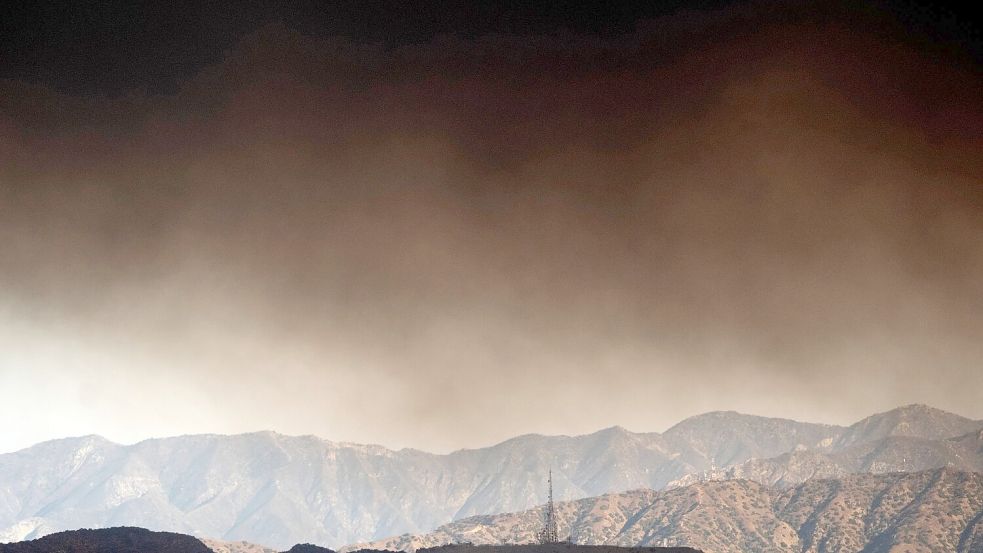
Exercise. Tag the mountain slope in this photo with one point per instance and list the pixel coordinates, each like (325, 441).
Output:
(934, 511)
(925, 511)
(280, 490)
(890, 454)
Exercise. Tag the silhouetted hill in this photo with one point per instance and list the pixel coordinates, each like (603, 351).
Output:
(109, 540)
(308, 548)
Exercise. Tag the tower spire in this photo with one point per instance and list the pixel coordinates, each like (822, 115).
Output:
(549, 533)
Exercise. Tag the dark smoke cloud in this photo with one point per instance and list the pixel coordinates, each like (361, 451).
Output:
(434, 245)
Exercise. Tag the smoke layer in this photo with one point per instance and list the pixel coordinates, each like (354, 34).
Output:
(447, 244)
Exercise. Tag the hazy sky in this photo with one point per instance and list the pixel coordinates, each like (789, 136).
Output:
(447, 243)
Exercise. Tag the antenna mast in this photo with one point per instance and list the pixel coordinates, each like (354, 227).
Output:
(549, 533)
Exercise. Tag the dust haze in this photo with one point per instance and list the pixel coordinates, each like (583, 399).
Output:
(447, 244)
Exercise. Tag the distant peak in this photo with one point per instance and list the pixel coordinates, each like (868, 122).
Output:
(85, 440)
(916, 409)
(913, 420)
(616, 429)
(720, 416)
(94, 438)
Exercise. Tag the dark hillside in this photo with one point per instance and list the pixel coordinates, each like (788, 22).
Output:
(308, 548)
(109, 540)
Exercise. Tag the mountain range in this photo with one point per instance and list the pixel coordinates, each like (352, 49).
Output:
(281, 490)
(930, 511)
